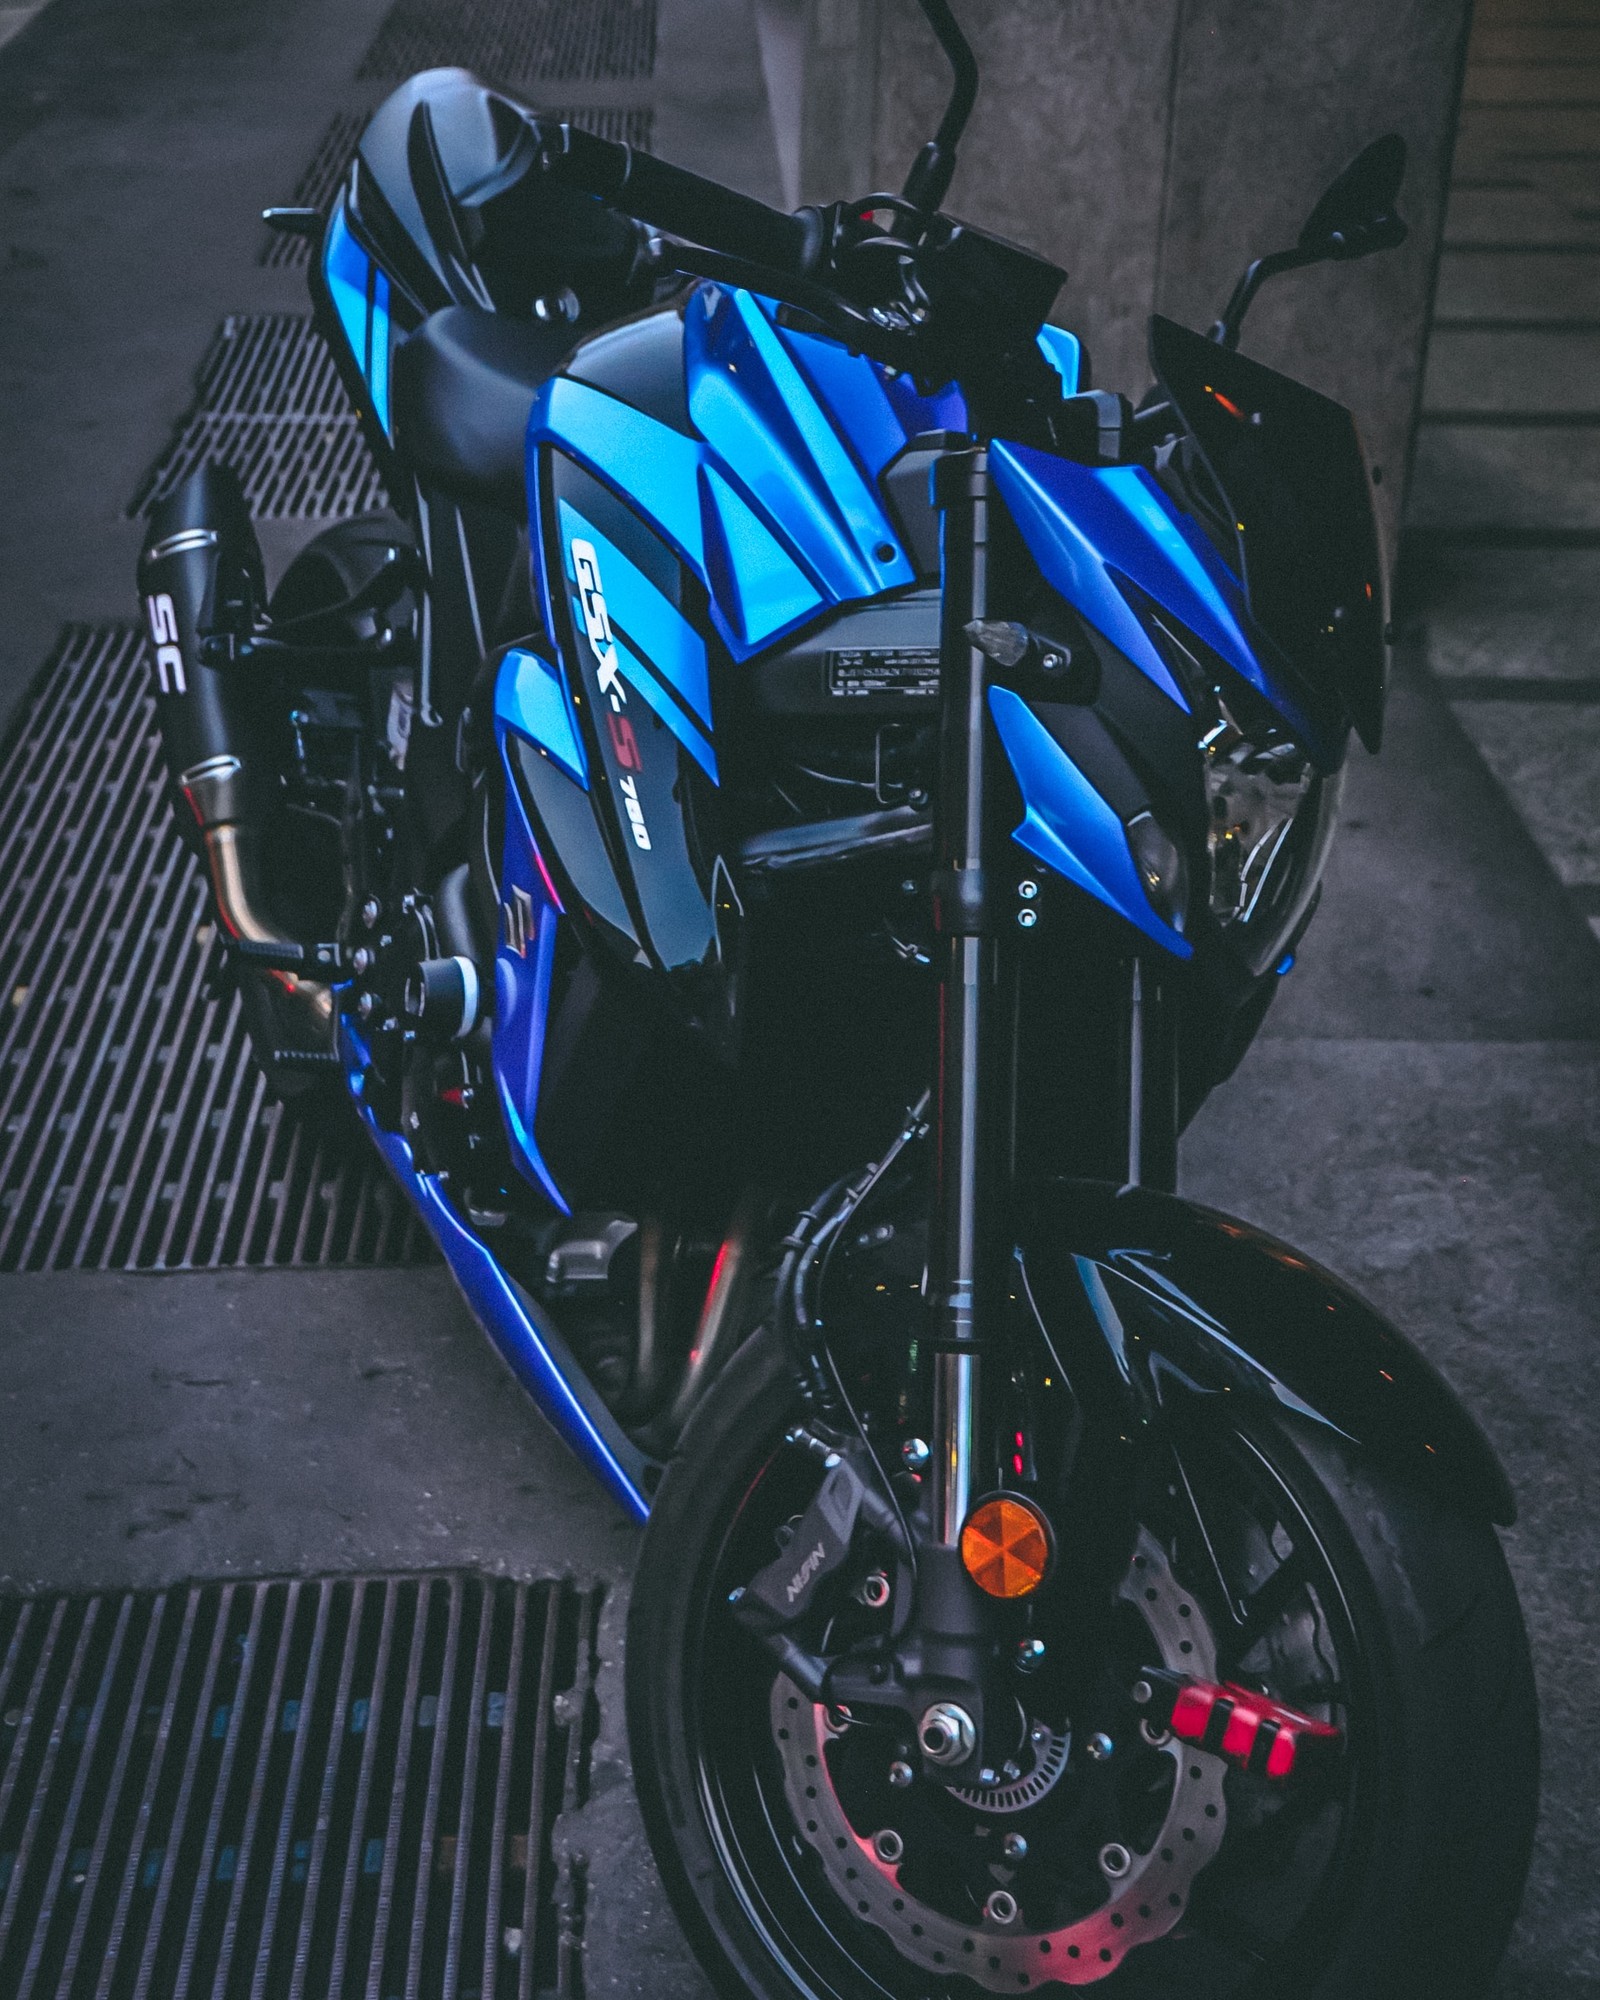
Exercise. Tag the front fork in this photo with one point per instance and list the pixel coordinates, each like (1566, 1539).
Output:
(971, 1104)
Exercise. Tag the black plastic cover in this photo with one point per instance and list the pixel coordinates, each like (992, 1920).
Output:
(1289, 467)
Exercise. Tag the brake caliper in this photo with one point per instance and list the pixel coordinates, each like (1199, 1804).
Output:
(781, 1594)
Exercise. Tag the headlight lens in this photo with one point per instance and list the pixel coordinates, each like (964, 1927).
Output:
(1269, 810)
(1270, 815)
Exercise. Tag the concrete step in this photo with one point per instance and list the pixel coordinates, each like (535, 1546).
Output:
(1556, 372)
(1524, 215)
(1510, 616)
(1517, 479)
(1546, 757)
(1517, 285)
(1533, 83)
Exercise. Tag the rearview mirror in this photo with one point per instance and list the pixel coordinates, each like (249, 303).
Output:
(1356, 216)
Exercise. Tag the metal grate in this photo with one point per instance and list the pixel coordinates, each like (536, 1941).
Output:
(292, 1791)
(317, 186)
(629, 125)
(517, 41)
(135, 1133)
(270, 404)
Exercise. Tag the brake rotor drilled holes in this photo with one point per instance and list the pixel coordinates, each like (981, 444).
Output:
(1144, 1903)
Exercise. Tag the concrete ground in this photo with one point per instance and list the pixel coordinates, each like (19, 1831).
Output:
(1420, 1113)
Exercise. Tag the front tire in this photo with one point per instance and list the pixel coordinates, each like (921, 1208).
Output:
(1421, 1869)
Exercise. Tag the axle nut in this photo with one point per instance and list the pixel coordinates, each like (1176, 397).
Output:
(947, 1734)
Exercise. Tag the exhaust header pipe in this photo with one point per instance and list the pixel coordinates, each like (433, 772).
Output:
(203, 583)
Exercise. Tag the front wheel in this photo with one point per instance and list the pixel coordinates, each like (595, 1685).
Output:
(803, 1858)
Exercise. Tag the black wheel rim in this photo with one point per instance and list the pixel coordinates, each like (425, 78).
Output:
(1268, 1904)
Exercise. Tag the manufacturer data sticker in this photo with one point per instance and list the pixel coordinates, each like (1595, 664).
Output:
(911, 672)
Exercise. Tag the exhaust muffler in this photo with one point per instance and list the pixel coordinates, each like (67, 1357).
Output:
(221, 714)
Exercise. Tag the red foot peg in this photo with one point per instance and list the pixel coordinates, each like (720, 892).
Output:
(1249, 1729)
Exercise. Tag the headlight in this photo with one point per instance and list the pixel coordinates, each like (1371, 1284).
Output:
(1269, 810)
(1270, 815)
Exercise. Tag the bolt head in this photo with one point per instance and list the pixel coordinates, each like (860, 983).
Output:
(875, 1591)
(1142, 1692)
(1030, 1655)
(1028, 890)
(365, 1004)
(915, 1455)
(1015, 1847)
(900, 1774)
(888, 1846)
(1027, 918)
(1100, 1746)
(948, 1735)
(1002, 1907)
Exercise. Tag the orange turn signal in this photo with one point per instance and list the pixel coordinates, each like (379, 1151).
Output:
(1006, 1546)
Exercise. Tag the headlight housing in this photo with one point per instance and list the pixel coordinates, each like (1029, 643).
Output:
(1270, 810)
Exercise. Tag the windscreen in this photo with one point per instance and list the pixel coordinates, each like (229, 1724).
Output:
(1289, 467)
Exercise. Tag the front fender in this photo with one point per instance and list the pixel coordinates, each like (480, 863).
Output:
(1185, 1301)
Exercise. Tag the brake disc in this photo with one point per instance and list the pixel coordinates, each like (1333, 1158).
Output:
(1145, 1901)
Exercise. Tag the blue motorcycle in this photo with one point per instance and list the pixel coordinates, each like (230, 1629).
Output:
(776, 835)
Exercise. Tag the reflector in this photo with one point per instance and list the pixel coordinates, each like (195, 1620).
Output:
(1006, 1546)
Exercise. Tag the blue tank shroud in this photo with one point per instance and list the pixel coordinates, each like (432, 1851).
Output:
(530, 1346)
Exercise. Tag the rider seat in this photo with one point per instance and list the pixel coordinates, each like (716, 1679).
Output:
(464, 383)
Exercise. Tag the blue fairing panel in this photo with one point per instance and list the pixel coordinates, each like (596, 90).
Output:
(1081, 525)
(1064, 352)
(531, 1347)
(771, 437)
(1068, 826)
(523, 964)
(657, 649)
(359, 289)
(530, 696)
(759, 587)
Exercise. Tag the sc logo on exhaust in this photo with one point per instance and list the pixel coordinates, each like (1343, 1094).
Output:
(163, 617)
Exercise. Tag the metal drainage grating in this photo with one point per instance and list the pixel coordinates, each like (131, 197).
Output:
(317, 186)
(135, 1133)
(292, 1791)
(517, 41)
(270, 404)
(629, 125)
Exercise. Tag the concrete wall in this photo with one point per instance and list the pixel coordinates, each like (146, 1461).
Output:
(1153, 146)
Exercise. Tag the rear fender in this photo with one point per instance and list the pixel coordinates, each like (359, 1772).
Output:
(1171, 1300)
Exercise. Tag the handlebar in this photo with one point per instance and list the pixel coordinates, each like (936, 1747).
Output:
(912, 288)
(688, 205)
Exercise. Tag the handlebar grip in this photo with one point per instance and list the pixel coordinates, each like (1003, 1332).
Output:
(687, 204)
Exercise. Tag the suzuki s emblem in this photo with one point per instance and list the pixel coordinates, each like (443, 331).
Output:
(597, 625)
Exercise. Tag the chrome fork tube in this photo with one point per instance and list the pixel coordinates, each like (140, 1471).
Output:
(968, 1189)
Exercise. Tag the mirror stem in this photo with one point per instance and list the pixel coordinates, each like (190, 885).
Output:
(1226, 330)
(934, 168)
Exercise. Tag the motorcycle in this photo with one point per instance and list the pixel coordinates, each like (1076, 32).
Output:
(776, 836)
